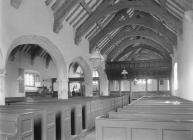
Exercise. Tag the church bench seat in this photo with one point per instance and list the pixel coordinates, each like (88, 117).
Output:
(138, 129)
(64, 115)
(148, 122)
(43, 121)
(16, 125)
(10, 100)
(92, 107)
(151, 116)
(161, 101)
(159, 107)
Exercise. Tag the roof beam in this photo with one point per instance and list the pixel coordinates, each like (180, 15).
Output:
(144, 33)
(116, 51)
(57, 4)
(128, 49)
(146, 21)
(148, 6)
(163, 3)
(35, 51)
(86, 26)
(48, 59)
(134, 52)
(62, 12)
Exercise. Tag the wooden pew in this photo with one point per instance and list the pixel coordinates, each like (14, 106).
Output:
(62, 117)
(62, 113)
(161, 101)
(148, 122)
(141, 129)
(43, 121)
(10, 100)
(16, 125)
(151, 116)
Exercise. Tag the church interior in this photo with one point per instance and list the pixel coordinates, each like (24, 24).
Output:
(96, 69)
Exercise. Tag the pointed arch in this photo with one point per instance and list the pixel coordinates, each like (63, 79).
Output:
(55, 54)
(87, 74)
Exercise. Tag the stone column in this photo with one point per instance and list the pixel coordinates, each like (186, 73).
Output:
(119, 87)
(2, 88)
(157, 85)
(63, 88)
(88, 87)
(185, 61)
(172, 79)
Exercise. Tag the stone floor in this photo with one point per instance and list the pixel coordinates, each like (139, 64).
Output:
(90, 136)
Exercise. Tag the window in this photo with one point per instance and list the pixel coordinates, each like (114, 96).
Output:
(29, 79)
(164, 85)
(152, 85)
(95, 74)
(138, 85)
(161, 82)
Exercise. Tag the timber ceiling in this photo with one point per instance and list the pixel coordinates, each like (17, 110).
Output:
(33, 51)
(124, 30)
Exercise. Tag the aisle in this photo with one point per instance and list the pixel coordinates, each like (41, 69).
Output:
(90, 136)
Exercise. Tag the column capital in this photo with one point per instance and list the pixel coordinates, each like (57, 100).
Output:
(2, 73)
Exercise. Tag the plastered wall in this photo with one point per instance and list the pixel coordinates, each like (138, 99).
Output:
(23, 61)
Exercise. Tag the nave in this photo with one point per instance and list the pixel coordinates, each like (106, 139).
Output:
(100, 69)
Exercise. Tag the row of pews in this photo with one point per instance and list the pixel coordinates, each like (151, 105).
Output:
(148, 118)
(53, 119)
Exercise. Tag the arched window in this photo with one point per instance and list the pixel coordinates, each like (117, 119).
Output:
(31, 80)
(95, 73)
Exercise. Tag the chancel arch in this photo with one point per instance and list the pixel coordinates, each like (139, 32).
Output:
(87, 84)
(52, 53)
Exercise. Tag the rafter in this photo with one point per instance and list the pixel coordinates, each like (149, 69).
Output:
(163, 3)
(128, 49)
(148, 6)
(134, 52)
(117, 50)
(91, 20)
(57, 4)
(146, 21)
(143, 33)
(61, 13)
(48, 59)
(35, 51)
